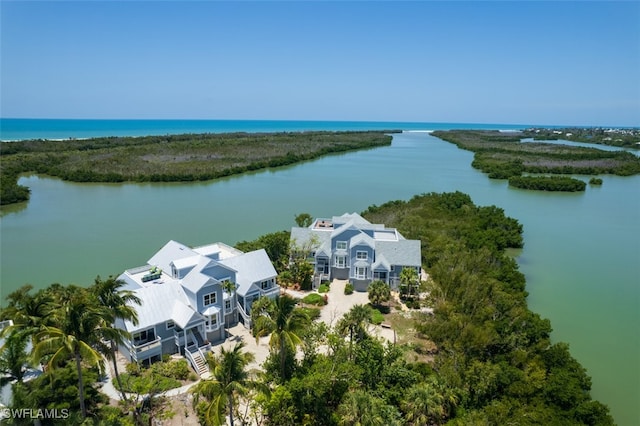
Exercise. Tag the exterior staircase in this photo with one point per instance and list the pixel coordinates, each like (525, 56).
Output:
(198, 363)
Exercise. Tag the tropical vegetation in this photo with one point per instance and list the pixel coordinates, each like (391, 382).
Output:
(502, 155)
(169, 158)
(491, 360)
(547, 183)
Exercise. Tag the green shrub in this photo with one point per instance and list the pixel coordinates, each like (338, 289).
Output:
(312, 313)
(133, 368)
(376, 317)
(314, 299)
(324, 288)
(348, 288)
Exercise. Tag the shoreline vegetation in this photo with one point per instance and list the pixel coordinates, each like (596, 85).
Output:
(502, 155)
(480, 357)
(170, 158)
(620, 137)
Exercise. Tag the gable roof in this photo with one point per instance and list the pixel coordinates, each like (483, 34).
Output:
(157, 305)
(251, 267)
(170, 252)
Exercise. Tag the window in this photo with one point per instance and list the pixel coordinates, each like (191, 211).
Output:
(340, 261)
(143, 336)
(170, 324)
(361, 255)
(393, 268)
(212, 321)
(209, 299)
(227, 305)
(341, 245)
(361, 273)
(265, 284)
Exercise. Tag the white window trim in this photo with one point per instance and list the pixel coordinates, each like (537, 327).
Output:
(173, 325)
(338, 243)
(227, 302)
(359, 252)
(363, 275)
(215, 299)
(344, 262)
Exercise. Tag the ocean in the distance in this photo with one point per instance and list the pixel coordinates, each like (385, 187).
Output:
(12, 129)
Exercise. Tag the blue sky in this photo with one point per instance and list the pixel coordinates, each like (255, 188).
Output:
(518, 62)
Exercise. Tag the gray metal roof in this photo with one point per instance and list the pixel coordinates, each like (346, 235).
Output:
(252, 267)
(157, 305)
(381, 263)
(171, 252)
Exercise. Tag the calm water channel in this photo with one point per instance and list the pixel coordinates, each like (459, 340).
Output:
(581, 255)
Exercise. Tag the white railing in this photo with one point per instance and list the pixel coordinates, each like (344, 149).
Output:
(275, 290)
(192, 361)
(145, 346)
(247, 318)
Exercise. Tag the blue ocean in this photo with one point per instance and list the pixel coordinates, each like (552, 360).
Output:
(13, 129)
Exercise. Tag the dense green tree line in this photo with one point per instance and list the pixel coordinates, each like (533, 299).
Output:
(494, 354)
(547, 183)
(179, 158)
(502, 156)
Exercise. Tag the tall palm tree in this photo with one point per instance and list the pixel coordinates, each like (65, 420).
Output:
(229, 287)
(116, 303)
(27, 311)
(229, 379)
(284, 322)
(79, 333)
(354, 322)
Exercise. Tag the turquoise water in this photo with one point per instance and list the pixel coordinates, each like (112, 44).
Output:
(20, 128)
(581, 254)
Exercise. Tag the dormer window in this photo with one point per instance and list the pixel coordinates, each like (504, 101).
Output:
(341, 245)
(362, 255)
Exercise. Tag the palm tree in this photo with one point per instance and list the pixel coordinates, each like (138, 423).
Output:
(284, 322)
(424, 404)
(80, 333)
(379, 292)
(353, 322)
(363, 409)
(116, 304)
(28, 312)
(409, 281)
(229, 287)
(230, 379)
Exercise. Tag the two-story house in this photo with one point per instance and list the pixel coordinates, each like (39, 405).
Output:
(351, 248)
(184, 306)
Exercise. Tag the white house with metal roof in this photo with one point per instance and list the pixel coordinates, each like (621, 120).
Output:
(350, 247)
(183, 304)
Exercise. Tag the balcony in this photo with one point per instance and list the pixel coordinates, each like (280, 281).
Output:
(271, 292)
(145, 350)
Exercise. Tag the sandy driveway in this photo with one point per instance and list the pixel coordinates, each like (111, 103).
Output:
(338, 304)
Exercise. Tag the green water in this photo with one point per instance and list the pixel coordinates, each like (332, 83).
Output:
(581, 255)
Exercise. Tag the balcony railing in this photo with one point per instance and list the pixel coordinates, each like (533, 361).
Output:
(144, 347)
(275, 290)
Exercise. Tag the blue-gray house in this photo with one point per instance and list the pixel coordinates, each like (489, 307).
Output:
(184, 306)
(351, 248)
